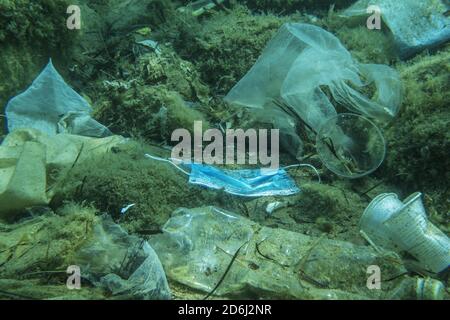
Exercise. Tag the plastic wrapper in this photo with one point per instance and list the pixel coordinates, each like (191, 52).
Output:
(198, 246)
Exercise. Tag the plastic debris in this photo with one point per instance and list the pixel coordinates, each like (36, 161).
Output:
(152, 45)
(403, 226)
(112, 263)
(27, 157)
(298, 62)
(123, 264)
(415, 24)
(350, 145)
(274, 206)
(246, 182)
(126, 208)
(200, 7)
(204, 247)
(51, 106)
(420, 289)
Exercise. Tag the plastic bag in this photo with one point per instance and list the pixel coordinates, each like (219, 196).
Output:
(198, 245)
(28, 158)
(302, 59)
(51, 106)
(123, 264)
(110, 261)
(415, 24)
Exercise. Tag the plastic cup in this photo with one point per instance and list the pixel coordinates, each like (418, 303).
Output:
(350, 145)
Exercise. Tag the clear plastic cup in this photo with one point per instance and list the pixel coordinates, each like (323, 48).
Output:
(350, 145)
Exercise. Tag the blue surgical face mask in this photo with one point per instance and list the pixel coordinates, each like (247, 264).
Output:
(246, 182)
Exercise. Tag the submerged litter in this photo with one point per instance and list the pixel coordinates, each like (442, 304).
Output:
(28, 159)
(248, 183)
(151, 44)
(298, 62)
(51, 106)
(112, 263)
(244, 182)
(415, 24)
(350, 145)
(126, 208)
(211, 249)
(292, 76)
(403, 226)
(123, 264)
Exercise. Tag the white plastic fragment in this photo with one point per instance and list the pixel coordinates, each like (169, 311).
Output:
(128, 207)
(273, 206)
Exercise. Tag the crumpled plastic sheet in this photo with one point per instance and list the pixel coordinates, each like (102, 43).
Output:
(51, 106)
(415, 24)
(124, 264)
(298, 62)
(197, 246)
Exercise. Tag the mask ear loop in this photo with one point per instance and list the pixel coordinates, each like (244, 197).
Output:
(168, 161)
(305, 165)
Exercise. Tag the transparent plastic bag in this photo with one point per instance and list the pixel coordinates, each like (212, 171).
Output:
(299, 62)
(124, 264)
(51, 106)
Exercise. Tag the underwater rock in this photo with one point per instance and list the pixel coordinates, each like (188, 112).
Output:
(227, 44)
(151, 113)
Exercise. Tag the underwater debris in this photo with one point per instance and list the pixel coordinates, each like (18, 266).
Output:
(245, 182)
(200, 7)
(113, 263)
(396, 225)
(141, 92)
(306, 67)
(415, 24)
(312, 59)
(151, 44)
(350, 145)
(288, 264)
(31, 161)
(51, 106)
